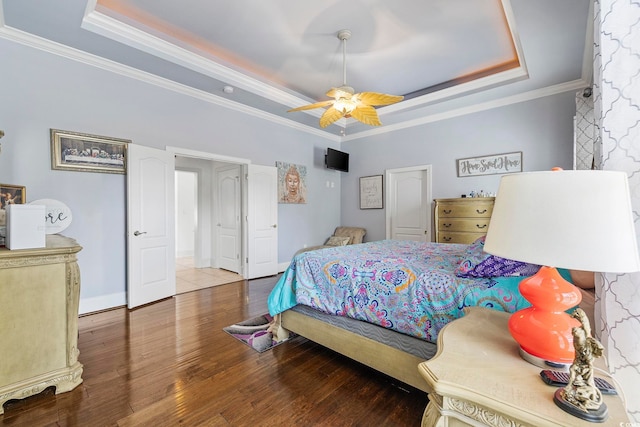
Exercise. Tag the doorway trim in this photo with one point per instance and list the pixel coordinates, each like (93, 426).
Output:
(185, 152)
(203, 155)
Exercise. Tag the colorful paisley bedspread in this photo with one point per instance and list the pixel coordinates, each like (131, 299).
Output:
(406, 286)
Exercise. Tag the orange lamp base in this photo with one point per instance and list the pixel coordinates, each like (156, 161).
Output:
(544, 329)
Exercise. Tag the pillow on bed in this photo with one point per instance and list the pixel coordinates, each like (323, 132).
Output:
(478, 263)
(338, 241)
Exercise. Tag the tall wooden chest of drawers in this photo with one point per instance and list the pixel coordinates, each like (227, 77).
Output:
(462, 220)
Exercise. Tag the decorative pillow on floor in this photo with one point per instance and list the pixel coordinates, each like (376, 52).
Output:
(481, 264)
(338, 241)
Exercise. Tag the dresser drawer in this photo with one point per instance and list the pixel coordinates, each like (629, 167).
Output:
(457, 237)
(462, 220)
(464, 210)
(478, 225)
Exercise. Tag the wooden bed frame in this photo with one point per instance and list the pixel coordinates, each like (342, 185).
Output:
(379, 356)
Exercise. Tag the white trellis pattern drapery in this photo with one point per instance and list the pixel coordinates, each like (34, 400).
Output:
(617, 118)
(584, 131)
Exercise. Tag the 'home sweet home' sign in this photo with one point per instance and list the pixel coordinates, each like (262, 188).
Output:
(490, 165)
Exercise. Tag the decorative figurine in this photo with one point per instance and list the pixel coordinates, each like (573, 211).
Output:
(580, 397)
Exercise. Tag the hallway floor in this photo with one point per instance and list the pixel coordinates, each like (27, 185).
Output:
(189, 278)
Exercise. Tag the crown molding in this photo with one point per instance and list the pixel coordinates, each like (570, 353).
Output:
(114, 29)
(73, 54)
(76, 55)
(508, 76)
(475, 108)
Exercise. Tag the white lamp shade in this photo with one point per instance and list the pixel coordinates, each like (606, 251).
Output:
(579, 220)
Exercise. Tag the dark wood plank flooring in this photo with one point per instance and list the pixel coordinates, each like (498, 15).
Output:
(170, 363)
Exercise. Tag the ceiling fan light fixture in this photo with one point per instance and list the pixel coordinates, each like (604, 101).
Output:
(346, 103)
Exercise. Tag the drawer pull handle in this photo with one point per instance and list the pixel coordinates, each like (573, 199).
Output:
(481, 211)
(447, 211)
(481, 226)
(446, 225)
(446, 239)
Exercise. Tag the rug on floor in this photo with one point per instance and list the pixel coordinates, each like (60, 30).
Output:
(253, 332)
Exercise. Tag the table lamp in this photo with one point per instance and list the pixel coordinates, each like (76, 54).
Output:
(578, 220)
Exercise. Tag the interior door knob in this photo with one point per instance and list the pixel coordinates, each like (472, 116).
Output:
(274, 226)
(137, 233)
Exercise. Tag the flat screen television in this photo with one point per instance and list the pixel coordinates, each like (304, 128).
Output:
(337, 160)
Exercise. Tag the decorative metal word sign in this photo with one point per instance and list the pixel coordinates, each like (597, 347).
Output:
(490, 165)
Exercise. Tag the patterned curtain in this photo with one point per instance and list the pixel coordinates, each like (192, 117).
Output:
(617, 117)
(584, 131)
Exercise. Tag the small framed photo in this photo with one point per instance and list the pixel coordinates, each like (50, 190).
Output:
(88, 153)
(371, 192)
(10, 195)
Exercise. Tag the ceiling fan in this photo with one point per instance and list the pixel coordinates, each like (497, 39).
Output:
(346, 103)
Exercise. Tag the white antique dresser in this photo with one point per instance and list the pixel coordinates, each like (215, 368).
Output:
(39, 296)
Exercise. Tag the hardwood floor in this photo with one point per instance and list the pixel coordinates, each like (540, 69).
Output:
(170, 363)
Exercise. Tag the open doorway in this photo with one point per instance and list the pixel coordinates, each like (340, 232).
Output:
(151, 239)
(195, 210)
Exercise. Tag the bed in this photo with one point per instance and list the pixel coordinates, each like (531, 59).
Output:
(383, 303)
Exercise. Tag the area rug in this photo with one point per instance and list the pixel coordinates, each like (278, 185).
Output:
(253, 332)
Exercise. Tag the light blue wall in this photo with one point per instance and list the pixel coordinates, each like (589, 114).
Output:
(42, 91)
(542, 129)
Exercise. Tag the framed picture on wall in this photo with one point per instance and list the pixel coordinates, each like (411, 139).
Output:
(88, 153)
(371, 192)
(292, 183)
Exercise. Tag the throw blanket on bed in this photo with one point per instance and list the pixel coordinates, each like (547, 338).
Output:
(406, 286)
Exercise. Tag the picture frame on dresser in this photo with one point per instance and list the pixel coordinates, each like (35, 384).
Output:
(10, 194)
(83, 152)
(371, 192)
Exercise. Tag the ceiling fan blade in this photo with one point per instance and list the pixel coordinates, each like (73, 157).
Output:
(374, 98)
(367, 115)
(330, 116)
(312, 106)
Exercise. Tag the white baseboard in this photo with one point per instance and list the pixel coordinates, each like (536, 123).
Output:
(89, 305)
(283, 266)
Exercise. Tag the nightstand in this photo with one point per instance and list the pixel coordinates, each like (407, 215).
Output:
(479, 378)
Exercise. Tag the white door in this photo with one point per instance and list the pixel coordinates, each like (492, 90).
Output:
(262, 221)
(228, 205)
(408, 201)
(151, 268)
